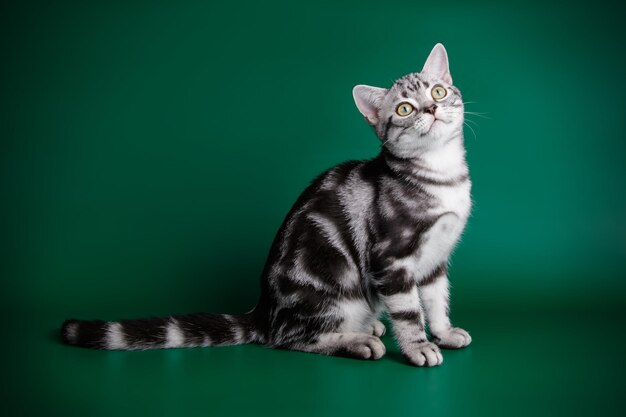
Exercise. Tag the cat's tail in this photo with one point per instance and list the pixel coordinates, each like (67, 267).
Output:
(189, 330)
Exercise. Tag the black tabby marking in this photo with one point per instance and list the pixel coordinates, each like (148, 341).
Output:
(436, 273)
(406, 315)
(88, 333)
(395, 282)
(143, 333)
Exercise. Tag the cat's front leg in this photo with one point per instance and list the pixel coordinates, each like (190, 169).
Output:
(398, 292)
(435, 295)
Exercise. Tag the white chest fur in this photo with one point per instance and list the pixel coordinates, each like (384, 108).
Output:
(446, 165)
(452, 198)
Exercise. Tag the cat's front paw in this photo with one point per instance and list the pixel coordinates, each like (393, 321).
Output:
(454, 338)
(424, 354)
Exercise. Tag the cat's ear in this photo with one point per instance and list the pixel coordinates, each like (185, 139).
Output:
(368, 100)
(437, 64)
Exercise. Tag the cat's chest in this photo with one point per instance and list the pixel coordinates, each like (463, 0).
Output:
(450, 198)
(407, 214)
(446, 218)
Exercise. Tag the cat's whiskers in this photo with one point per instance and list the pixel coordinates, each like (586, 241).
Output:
(479, 114)
(470, 128)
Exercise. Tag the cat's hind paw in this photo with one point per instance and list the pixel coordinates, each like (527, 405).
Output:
(454, 338)
(378, 328)
(362, 346)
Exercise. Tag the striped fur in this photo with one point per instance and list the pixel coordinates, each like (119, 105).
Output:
(365, 237)
(191, 330)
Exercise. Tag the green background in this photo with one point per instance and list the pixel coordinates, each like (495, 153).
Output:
(151, 150)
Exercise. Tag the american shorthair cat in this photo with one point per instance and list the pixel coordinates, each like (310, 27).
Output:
(364, 238)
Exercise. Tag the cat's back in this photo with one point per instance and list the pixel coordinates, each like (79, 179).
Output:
(331, 214)
(338, 205)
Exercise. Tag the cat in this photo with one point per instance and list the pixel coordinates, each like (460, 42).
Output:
(363, 238)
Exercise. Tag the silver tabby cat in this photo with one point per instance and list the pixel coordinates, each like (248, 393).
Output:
(364, 238)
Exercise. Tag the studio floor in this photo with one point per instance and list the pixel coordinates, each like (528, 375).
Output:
(519, 364)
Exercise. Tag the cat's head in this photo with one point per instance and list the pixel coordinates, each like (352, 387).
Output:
(421, 111)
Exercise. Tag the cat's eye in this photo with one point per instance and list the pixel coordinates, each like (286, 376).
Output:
(438, 92)
(404, 109)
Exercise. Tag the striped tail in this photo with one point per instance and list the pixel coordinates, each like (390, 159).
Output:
(189, 330)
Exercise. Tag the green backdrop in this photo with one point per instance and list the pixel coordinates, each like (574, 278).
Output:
(150, 151)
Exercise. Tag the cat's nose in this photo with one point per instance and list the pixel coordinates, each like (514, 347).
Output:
(430, 109)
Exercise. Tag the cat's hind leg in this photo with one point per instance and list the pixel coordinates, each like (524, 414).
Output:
(351, 345)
